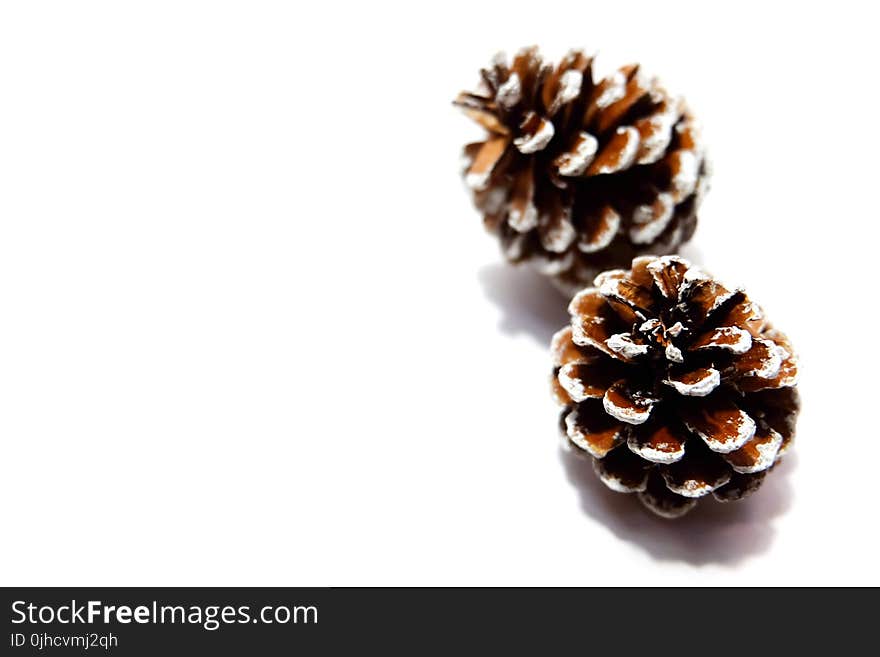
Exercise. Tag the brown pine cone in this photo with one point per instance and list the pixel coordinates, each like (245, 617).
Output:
(675, 385)
(577, 176)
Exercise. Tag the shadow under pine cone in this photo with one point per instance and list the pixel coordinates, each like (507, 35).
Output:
(529, 303)
(712, 533)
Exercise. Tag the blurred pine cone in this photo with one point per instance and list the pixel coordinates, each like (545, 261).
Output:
(577, 176)
(675, 385)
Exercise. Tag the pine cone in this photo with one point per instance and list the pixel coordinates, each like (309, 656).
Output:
(576, 176)
(675, 385)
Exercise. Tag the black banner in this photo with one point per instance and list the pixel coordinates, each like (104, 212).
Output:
(172, 621)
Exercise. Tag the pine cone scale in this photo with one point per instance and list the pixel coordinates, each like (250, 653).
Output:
(722, 425)
(593, 432)
(484, 163)
(658, 443)
(622, 471)
(658, 498)
(626, 405)
(599, 228)
(759, 454)
(698, 382)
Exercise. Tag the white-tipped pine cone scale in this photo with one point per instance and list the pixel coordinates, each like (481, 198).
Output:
(674, 385)
(575, 175)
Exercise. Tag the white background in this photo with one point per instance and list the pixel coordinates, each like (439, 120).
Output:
(252, 332)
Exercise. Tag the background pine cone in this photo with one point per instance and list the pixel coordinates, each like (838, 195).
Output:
(675, 386)
(577, 176)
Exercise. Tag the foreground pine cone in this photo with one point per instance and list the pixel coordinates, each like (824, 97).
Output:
(675, 385)
(577, 176)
